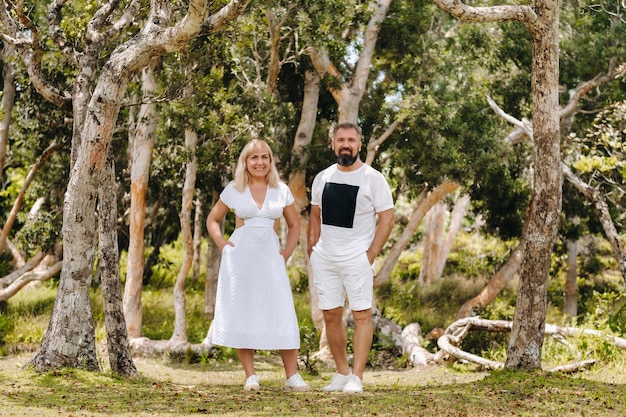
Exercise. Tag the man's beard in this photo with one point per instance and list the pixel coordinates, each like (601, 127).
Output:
(346, 160)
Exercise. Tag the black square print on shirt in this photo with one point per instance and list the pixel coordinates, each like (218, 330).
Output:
(339, 204)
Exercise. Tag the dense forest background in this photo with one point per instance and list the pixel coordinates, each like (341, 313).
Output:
(446, 112)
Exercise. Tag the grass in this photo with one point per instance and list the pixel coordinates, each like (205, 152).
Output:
(213, 385)
(215, 388)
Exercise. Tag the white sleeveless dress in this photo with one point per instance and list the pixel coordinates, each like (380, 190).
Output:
(254, 306)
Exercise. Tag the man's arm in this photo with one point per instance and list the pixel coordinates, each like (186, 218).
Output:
(383, 230)
(315, 228)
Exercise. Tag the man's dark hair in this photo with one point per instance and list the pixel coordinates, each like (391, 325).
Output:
(347, 125)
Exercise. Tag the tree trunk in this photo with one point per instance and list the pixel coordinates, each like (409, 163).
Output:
(142, 143)
(213, 259)
(180, 309)
(197, 238)
(498, 281)
(433, 243)
(456, 220)
(8, 101)
(526, 342)
(436, 246)
(297, 177)
(570, 304)
(120, 357)
(70, 338)
(440, 246)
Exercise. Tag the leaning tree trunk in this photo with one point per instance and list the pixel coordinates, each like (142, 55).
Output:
(526, 341)
(120, 357)
(422, 205)
(142, 144)
(498, 281)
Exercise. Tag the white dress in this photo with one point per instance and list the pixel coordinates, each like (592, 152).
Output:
(254, 306)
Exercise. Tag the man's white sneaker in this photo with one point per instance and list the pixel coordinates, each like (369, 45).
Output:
(354, 385)
(252, 383)
(296, 383)
(338, 382)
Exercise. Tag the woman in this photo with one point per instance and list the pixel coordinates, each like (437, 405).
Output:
(254, 306)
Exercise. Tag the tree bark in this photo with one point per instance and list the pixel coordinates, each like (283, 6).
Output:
(433, 243)
(526, 341)
(197, 238)
(213, 258)
(70, 339)
(143, 137)
(571, 286)
(524, 350)
(456, 332)
(120, 357)
(8, 101)
(437, 247)
(26, 277)
(180, 301)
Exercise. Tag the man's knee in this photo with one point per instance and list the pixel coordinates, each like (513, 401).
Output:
(333, 316)
(363, 317)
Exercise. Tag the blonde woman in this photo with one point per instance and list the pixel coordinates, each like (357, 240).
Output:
(254, 306)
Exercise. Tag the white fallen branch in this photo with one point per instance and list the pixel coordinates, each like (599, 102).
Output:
(573, 367)
(456, 332)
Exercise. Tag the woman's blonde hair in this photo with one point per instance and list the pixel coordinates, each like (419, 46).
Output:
(242, 176)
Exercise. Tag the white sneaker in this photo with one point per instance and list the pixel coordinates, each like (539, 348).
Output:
(252, 383)
(354, 385)
(296, 383)
(338, 382)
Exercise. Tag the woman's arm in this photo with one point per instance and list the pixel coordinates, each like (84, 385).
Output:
(213, 220)
(315, 227)
(293, 231)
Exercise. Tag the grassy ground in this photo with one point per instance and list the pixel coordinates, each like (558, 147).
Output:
(167, 389)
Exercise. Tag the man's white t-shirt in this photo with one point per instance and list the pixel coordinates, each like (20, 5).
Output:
(348, 204)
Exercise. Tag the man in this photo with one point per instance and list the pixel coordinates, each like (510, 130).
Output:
(344, 240)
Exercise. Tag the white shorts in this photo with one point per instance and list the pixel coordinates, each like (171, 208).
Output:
(336, 279)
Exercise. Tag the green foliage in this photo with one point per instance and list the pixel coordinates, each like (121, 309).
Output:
(309, 345)
(25, 318)
(158, 317)
(41, 230)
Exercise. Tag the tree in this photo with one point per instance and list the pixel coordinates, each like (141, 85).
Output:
(70, 338)
(142, 138)
(524, 350)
